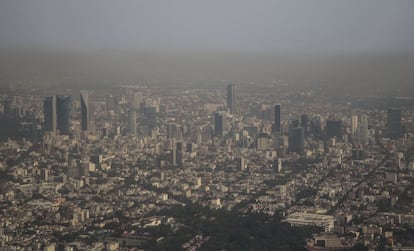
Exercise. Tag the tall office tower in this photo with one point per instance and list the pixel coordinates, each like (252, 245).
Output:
(12, 110)
(316, 126)
(363, 129)
(188, 130)
(63, 108)
(355, 130)
(173, 157)
(334, 128)
(354, 125)
(132, 122)
(297, 140)
(277, 123)
(172, 130)
(150, 113)
(394, 127)
(231, 98)
(84, 111)
(179, 146)
(50, 113)
(304, 120)
(219, 123)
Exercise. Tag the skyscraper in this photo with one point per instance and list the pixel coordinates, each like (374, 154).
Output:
(304, 120)
(394, 127)
(219, 123)
(354, 125)
(50, 113)
(132, 122)
(231, 98)
(277, 123)
(11, 108)
(64, 108)
(363, 129)
(316, 126)
(297, 140)
(150, 113)
(334, 128)
(172, 130)
(84, 111)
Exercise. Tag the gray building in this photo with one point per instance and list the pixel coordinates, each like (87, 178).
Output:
(231, 98)
(219, 123)
(84, 103)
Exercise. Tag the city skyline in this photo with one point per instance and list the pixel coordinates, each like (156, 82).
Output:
(179, 149)
(218, 125)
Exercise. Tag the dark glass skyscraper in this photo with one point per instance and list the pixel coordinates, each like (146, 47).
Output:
(231, 98)
(297, 140)
(50, 113)
(334, 128)
(394, 127)
(277, 122)
(150, 113)
(219, 123)
(84, 110)
(64, 109)
(172, 130)
(304, 120)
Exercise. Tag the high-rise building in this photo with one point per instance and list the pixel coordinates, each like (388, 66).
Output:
(84, 110)
(277, 122)
(354, 125)
(132, 122)
(231, 98)
(363, 129)
(297, 140)
(219, 123)
(173, 157)
(172, 130)
(190, 147)
(12, 110)
(394, 127)
(150, 113)
(50, 113)
(334, 128)
(304, 120)
(355, 130)
(179, 146)
(316, 126)
(64, 108)
(188, 129)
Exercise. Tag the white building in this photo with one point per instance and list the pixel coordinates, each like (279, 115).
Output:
(305, 219)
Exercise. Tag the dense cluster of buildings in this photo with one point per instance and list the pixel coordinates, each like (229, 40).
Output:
(92, 171)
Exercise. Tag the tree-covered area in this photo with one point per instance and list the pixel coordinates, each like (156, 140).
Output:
(230, 230)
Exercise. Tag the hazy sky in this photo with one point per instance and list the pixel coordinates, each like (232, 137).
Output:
(214, 25)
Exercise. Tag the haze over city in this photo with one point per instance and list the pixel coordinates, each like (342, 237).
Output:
(347, 42)
(206, 125)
